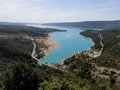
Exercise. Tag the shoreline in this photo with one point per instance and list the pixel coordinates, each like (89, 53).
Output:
(90, 41)
(89, 38)
(49, 43)
(52, 45)
(62, 63)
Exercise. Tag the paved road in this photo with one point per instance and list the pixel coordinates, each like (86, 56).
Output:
(34, 57)
(101, 46)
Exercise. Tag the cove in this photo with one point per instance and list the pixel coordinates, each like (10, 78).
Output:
(70, 42)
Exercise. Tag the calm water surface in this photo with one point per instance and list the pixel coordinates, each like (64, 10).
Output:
(70, 42)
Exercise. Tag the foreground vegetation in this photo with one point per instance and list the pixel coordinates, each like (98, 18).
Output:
(18, 71)
(111, 53)
(102, 72)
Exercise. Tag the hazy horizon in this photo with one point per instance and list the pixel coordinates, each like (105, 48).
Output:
(50, 11)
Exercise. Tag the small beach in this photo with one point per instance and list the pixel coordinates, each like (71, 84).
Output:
(48, 42)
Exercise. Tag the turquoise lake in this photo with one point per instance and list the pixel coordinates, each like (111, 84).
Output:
(70, 42)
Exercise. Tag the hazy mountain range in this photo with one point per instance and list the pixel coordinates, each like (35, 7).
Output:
(86, 24)
(90, 24)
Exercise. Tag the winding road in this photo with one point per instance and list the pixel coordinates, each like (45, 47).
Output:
(33, 55)
(101, 46)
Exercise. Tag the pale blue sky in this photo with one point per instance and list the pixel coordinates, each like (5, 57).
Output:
(43, 11)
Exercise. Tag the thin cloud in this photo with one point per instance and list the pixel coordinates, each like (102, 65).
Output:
(100, 5)
(41, 11)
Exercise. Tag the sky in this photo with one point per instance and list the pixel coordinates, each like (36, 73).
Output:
(46, 11)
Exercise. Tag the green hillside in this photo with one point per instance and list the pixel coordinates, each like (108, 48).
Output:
(90, 24)
(82, 71)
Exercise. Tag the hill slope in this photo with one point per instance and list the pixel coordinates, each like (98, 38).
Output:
(91, 24)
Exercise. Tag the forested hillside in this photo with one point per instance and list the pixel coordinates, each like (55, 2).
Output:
(25, 30)
(101, 72)
(18, 71)
(82, 71)
(90, 24)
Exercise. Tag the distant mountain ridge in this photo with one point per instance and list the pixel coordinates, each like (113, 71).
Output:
(90, 24)
(11, 23)
(115, 24)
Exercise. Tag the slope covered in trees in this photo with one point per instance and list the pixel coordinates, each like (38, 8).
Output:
(25, 30)
(102, 72)
(91, 24)
(111, 52)
(19, 71)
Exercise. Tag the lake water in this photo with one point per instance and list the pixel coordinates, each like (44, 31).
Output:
(70, 42)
